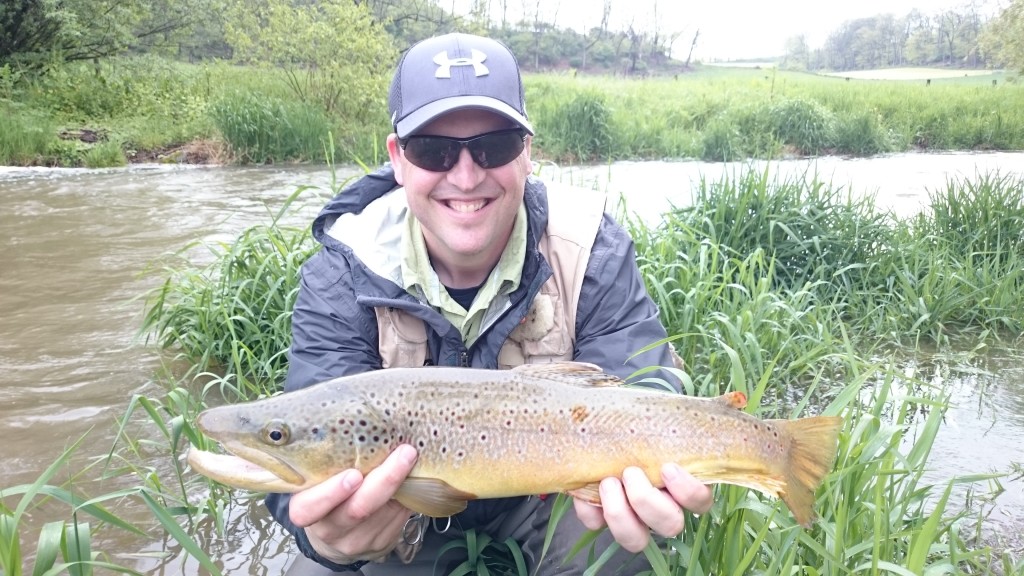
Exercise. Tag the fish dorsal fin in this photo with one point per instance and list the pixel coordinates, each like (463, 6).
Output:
(432, 497)
(574, 373)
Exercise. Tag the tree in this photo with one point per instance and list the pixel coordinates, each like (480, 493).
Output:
(332, 51)
(798, 55)
(1004, 37)
(34, 31)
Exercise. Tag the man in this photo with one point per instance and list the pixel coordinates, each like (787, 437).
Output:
(455, 255)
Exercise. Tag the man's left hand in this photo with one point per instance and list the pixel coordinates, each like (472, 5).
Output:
(633, 507)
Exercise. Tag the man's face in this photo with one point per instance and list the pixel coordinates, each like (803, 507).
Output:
(466, 213)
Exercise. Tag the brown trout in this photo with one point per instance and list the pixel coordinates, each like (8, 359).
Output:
(535, 429)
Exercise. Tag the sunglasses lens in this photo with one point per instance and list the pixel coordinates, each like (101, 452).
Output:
(440, 153)
(432, 153)
(496, 149)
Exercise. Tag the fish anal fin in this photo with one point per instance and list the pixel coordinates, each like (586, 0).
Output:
(572, 373)
(589, 493)
(747, 474)
(432, 497)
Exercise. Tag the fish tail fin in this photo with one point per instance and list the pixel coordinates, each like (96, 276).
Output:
(811, 456)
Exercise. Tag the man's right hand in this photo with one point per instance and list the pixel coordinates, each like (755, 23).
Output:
(349, 517)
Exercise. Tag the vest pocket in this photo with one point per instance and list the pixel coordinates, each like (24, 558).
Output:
(402, 338)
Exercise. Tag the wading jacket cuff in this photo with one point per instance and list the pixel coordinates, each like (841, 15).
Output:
(307, 547)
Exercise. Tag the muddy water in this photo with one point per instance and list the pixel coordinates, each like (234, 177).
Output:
(78, 241)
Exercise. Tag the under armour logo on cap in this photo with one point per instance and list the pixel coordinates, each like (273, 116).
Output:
(444, 64)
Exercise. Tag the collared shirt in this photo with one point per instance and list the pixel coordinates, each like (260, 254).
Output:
(420, 279)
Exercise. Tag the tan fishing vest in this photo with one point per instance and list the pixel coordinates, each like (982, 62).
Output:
(548, 332)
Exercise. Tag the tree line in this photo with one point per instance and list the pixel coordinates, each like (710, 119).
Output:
(977, 34)
(36, 32)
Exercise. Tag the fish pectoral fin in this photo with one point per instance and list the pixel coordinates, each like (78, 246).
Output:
(572, 373)
(432, 497)
(588, 493)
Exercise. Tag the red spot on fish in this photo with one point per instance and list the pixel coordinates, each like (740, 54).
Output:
(579, 413)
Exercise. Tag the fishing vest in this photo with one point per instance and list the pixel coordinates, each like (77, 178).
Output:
(548, 331)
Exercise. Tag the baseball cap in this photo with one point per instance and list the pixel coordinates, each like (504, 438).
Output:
(454, 72)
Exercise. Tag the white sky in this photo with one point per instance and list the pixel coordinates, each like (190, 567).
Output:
(729, 29)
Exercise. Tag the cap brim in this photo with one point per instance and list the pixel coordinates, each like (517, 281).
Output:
(411, 123)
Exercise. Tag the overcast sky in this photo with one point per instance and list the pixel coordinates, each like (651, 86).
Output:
(729, 29)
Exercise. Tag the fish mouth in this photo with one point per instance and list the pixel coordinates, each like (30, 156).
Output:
(247, 468)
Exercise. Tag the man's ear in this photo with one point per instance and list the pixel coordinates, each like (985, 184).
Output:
(529, 150)
(395, 155)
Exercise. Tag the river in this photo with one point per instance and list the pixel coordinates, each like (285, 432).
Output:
(79, 241)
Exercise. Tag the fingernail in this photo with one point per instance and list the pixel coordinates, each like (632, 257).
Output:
(350, 480)
(607, 484)
(407, 453)
(670, 471)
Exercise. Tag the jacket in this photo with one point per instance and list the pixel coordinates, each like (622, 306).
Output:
(356, 274)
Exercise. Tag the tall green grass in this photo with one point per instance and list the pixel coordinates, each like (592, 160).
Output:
(26, 136)
(149, 103)
(232, 316)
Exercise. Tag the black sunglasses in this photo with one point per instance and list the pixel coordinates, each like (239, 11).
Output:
(440, 153)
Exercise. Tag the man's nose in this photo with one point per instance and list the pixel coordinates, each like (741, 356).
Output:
(466, 174)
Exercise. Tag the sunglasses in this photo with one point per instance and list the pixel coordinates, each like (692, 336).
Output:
(440, 153)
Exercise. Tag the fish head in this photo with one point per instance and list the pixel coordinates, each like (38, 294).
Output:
(290, 442)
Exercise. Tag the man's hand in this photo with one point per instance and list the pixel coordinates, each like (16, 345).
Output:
(632, 507)
(349, 517)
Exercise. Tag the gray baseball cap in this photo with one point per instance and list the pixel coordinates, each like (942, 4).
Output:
(454, 72)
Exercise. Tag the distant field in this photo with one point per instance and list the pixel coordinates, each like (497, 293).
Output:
(910, 73)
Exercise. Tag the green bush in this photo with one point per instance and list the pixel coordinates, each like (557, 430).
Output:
(804, 124)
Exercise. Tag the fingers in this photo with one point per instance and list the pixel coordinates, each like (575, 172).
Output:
(654, 507)
(633, 507)
(629, 531)
(381, 483)
(313, 504)
(351, 516)
(591, 516)
(690, 493)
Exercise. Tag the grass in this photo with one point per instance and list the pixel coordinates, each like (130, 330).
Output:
(713, 113)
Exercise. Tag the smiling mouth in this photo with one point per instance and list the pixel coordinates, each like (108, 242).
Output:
(466, 206)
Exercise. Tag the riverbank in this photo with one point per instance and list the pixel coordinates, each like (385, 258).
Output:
(150, 109)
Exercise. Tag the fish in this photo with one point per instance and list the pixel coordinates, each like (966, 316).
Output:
(534, 429)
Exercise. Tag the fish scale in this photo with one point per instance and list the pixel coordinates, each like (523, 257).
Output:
(535, 429)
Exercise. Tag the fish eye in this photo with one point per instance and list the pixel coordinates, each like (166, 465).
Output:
(276, 433)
